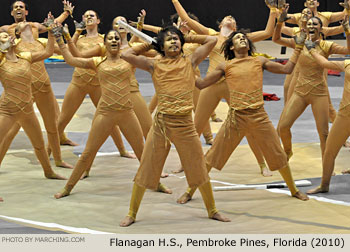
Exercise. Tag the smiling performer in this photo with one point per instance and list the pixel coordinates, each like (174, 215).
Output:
(244, 78)
(19, 11)
(85, 82)
(42, 94)
(210, 97)
(16, 104)
(310, 87)
(173, 76)
(340, 129)
(114, 107)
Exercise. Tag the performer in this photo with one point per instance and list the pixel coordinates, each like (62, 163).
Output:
(188, 50)
(173, 76)
(340, 129)
(42, 94)
(19, 11)
(85, 82)
(114, 107)
(211, 96)
(310, 86)
(247, 114)
(16, 104)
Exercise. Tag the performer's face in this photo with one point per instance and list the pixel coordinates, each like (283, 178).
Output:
(90, 18)
(313, 27)
(112, 42)
(116, 26)
(172, 44)
(239, 42)
(4, 37)
(229, 22)
(312, 4)
(19, 11)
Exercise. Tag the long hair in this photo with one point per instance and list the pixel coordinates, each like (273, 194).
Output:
(164, 32)
(226, 46)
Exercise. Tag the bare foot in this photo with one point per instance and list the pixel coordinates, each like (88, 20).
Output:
(209, 141)
(180, 169)
(55, 176)
(219, 217)
(346, 171)
(186, 197)
(318, 189)
(289, 155)
(301, 196)
(68, 142)
(164, 175)
(216, 119)
(162, 188)
(266, 172)
(63, 193)
(127, 155)
(1, 199)
(63, 164)
(85, 175)
(346, 144)
(127, 221)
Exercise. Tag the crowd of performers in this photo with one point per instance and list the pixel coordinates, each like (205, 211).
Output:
(105, 69)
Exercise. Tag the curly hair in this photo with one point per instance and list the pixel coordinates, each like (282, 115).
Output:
(226, 46)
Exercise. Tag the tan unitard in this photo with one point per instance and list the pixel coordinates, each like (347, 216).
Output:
(16, 105)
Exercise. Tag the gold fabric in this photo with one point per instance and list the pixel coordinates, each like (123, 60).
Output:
(174, 84)
(81, 76)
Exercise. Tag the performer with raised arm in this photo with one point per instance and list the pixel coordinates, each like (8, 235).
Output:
(340, 129)
(210, 97)
(114, 107)
(41, 91)
(16, 103)
(244, 78)
(310, 87)
(173, 76)
(19, 11)
(85, 82)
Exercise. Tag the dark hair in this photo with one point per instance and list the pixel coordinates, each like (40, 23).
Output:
(105, 37)
(98, 16)
(25, 5)
(226, 46)
(164, 32)
(174, 18)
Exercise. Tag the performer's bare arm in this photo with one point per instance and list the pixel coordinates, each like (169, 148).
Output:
(211, 77)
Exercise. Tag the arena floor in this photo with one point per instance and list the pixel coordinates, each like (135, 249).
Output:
(98, 203)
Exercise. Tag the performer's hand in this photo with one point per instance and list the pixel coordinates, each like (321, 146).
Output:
(310, 44)
(80, 26)
(300, 39)
(272, 4)
(56, 30)
(345, 24)
(5, 46)
(281, 4)
(284, 14)
(346, 5)
(67, 6)
(49, 21)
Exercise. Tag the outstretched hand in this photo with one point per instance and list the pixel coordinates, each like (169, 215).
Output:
(5, 46)
(346, 5)
(284, 14)
(67, 6)
(80, 26)
(49, 21)
(310, 44)
(272, 4)
(345, 24)
(300, 39)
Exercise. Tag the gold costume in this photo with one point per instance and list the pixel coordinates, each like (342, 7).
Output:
(45, 99)
(84, 82)
(114, 108)
(16, 106)
(310, 88)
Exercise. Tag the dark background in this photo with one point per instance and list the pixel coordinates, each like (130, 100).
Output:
(250, 14)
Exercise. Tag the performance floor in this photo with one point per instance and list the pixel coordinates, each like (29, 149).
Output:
(98, 203)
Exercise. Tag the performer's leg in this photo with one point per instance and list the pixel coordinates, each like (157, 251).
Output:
(258, 155)
(320, 111)
(136, 197)
(95, 94)
(288, 178)
(100, 129)
(73, 98)
(31, 127)
(338, 134)
(153, 104)
(141, 111)
(46, 105)
(294, 108)
(286, 86)
(7, 140)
